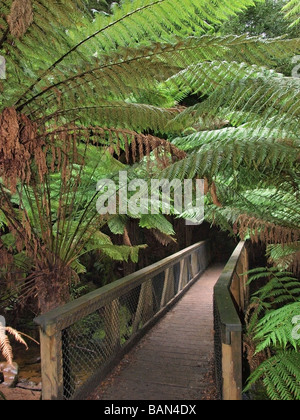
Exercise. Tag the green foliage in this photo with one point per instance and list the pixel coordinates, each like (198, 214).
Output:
(157, 221)
(281, 376)
(284, 257)
(265, 19)
(292, 10)
(253, 160)
(270, 324)
(87, 81)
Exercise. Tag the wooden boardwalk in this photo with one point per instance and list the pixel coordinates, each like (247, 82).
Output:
(174, 361)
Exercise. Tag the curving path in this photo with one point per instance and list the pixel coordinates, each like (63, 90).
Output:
(174, 361)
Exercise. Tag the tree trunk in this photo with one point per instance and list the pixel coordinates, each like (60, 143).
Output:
(53, 288)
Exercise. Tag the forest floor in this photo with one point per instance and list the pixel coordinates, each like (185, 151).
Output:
(28, 385)
(18, 394)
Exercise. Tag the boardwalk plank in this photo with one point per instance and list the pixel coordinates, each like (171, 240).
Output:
(173, 361)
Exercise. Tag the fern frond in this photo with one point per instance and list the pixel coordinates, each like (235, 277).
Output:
(284, 257)
(122, 252)
(280, 375)
(212, 157)
(292, 12)
(17, 336)
(5, 348)
(134, 116)
(275, 329)
(117, 224)
(115, 71)
(265, 231)
(78, 267)
(153, 20)
(265, 96)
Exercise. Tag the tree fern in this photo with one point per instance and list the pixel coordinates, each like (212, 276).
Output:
(270, 324)
(72, 94)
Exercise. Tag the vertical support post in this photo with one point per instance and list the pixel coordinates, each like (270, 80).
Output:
(183, 277)
(112, 326)
(232, 368)
(169, 287)
(235, 288)
(144, 310)
(195, 264)
(52, 364)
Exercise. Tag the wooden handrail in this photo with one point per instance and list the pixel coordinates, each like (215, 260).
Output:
(230, 294)
(229, 318)
(141, 287)
(66, 314)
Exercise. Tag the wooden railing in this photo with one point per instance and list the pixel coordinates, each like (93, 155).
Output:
(230, 301)
(84, 339)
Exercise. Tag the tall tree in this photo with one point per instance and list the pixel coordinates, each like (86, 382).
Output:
(265, 19)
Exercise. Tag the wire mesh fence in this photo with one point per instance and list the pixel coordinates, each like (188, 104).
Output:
(92, 333)
(218, 351)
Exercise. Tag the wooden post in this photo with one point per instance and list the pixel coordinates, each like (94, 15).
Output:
(183, 277)
(144, 310)
(232, 368)
(169, 287)
(240, 271)
(195, 264)
(235, 289)
(51, 364)
(112, 326)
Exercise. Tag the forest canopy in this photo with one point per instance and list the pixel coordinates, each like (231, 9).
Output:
(157, 89)
(95, 88)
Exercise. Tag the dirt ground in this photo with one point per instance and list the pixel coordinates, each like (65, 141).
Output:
(29, 376)
(18, 394)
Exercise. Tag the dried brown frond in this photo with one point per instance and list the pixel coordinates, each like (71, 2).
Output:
(17, 336)
(213, 191)
(294, 267)
(162, 238)
(5, 347)
(20, 17)
(19, 147)
(254, 359)
(260, 230)
(5, 256)
(289, 262)
(126, 238)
